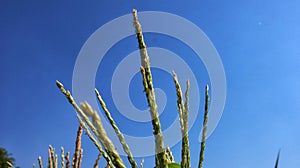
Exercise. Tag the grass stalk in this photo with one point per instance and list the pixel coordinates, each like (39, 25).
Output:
(9, 164)
(102, 136)
(183, 118)
(56, 161)
(50, 157)
(180, 104)
(277, 159)
(201, 157)
(185, 140)
(96, 127)
(90, 135)
(40, 162)
(117, 131)
(142, 163)
(80, 158)
(67, 157)
(170, 156)
(62, 157)
(77, 147)
(160, 157)
(97, 161)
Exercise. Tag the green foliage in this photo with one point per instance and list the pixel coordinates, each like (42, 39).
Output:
(174, 165)
(5, 157)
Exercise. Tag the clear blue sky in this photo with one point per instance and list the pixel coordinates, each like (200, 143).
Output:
(258, 42)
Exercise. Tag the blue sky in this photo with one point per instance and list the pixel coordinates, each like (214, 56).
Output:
(258, 42)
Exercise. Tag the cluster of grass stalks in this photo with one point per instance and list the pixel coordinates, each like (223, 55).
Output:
(65, 161)
(91, 123)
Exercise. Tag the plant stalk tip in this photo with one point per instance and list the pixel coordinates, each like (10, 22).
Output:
(59, 84)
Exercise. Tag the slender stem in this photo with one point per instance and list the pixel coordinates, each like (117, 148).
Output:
(80, 158)
(9, 164)
(142, 163)
(56, 161)
(77, 147)
(277, 159)
(62, 156)
(117, 130)
(40, 162)
(180, 104)
(67, 157)
(97, 161)
(183, 118)
(170, 156)
(201, 159)
(50, 158)
(185, 138)
(160, 157)
(102, 135)
(90, 135)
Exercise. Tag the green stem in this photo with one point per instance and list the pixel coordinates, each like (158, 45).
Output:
(183, 118)
(160, 157)
(201, 159)
(117, 131)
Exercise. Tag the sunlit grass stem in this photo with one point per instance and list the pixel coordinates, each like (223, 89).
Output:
(102, 135)
(97, 161)
(94, 140)
(77, 147)
(117, 131)
(160, 157)
(80, 158)
(62, 157)
(40, 162)
(183, 119)
(67, 157)
(205, 120)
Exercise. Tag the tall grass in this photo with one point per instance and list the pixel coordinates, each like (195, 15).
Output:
(91, 123)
